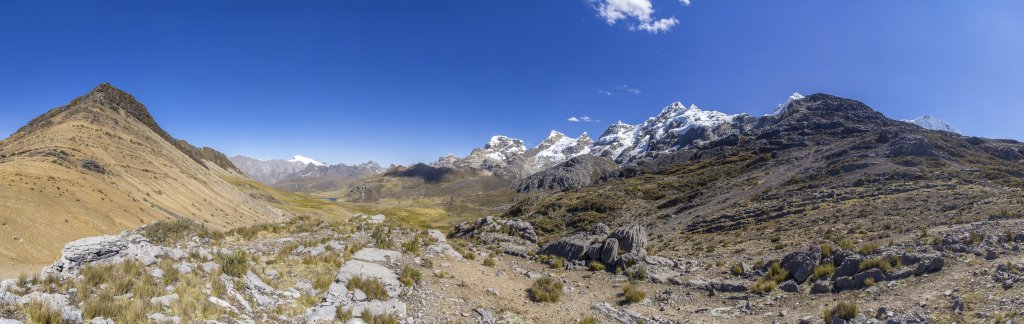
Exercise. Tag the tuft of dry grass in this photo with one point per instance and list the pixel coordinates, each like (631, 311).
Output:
(43, 313)
(372, 287)
(633, 293)
(545, 290)
(842, 310)
(410, 276)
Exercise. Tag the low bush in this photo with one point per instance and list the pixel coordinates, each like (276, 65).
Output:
(633, 293)
(545, 289)
(410, 276)
(235, 264)
(842, 310)
(823, 271)
(595, 266)
(371, 318)
(489, 262)
(372, 287)
(43, 313)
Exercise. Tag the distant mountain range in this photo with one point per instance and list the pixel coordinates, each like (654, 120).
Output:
(297, 169)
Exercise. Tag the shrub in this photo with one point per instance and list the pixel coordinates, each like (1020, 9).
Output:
(876, 263)
(588, 320)
(323, 281)
(343, 315)
(763, 286)
(868, 249)
(975, 237)
(43, 313)
(869, 282)
(637, 273)
(372, 287)
(545, 289)
(176, 231)
(557, 263)
(632, 293)
(776, 273)
(736, 269)
(410, 276)
(595, 266)
(382, 237)
(235, 264)
(489, 262)
(842, 310)
(826, 251)
(823, 271)
(846, 245)
(371, 318)
(412, 246)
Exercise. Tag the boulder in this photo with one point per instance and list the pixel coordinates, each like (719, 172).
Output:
(849, 267)
(821, 287)
(789, 286)
(875, 275)
(610, 251)
(801, 264)
(717, 285)
(632, 239)
(571, 248)
(929, 264)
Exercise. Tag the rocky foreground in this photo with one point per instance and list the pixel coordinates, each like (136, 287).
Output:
(368, 270)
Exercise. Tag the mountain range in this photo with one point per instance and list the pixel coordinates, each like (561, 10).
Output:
(300, 167)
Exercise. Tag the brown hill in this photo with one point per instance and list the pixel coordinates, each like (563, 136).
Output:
(99, 165)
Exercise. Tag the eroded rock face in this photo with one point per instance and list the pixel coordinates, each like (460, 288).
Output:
(107, 248)
(625, 246)
(515, 237)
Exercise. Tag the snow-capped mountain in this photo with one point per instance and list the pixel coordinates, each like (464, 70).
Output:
(932, 123)
(306, 160)
(557, 148)
(676, 127)
(509, 157)
(782, 107)
(273, 171)
(616, 139)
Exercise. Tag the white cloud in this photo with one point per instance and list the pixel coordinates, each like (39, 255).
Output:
(640, 12)
(626, 88)
(585, 119)
(659, 26)
(604, 92)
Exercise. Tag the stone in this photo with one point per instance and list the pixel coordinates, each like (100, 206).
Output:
(846, 283)
(821, 287)
(376, 219)
(376, 255)
(1008, 284)
(354, 268)
(874, 274)
(991, 255)
(789, 286)
(632, 239)
(719, 286)
(801, 264)
(486, 315)
(849, 267)
(164, 301)
(210, 267)
(358, 295)
(162, 318)
(570, 248)
(610, 251)
(929, 264)
(957, 306)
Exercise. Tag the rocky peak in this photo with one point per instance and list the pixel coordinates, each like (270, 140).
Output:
(505, 144)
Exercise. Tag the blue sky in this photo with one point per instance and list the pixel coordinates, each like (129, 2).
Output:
(405, 81)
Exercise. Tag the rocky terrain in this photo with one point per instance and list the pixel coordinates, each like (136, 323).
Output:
(371, 269)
